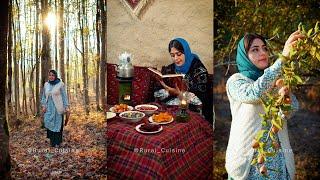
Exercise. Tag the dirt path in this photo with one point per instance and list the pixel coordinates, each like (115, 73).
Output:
(81, 155)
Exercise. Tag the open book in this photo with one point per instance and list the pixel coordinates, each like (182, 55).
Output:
(165, 75)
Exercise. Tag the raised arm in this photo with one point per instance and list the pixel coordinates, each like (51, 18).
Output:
(247, 91)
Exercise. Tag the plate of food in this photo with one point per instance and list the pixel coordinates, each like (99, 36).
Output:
(149, 128)
(111, 115)
(119, 108)
(133, 116)
(146, 108)
(161, 118)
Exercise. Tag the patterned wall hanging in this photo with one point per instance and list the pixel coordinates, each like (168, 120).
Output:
(136, 7)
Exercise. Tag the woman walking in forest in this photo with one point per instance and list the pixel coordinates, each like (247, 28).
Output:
(54, 103)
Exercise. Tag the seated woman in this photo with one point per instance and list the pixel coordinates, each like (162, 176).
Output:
(196, 83)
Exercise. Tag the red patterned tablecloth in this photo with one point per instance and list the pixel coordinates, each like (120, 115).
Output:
(180, 151)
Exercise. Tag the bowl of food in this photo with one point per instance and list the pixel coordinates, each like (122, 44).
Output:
(132, 116)
(119, 108)
(146, 108)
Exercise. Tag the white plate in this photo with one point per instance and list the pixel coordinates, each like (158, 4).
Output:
(147, 132)
(146, 111)
(167, 122)
(129, 109)
(111, 115)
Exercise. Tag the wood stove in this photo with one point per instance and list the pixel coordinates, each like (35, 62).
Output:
(125, 90)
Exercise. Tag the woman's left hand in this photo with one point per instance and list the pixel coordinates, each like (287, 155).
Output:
(172, 91)
(44, 110)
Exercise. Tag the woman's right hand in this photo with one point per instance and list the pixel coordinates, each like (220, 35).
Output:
(292, 40)
(173, 91)
(44, 109)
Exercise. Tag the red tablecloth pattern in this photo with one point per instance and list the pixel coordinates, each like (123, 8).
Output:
(180, 151)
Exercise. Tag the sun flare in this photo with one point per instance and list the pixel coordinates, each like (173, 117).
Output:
(51, 20)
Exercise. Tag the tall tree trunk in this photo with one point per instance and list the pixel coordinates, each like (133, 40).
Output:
(22, 64)
(68, 55)
(86, 56)
(4, 7)
(61, 40)
(37, 60)
(103, 61)
(31, 86)
(45, 54)
(56, 64)
(23, 75)
(16, 72)
(75, 75)
(16, 56)
(84, 42)
(45, 50)
(33, 66)
(11, 114)
(98, 25)
(4, 133)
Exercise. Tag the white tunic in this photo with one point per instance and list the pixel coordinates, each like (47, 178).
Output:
(244, 95)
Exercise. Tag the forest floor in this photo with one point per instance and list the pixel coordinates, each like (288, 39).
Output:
(82, 153)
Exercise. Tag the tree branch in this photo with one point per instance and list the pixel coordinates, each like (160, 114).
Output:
(307, 85)
(75, 45)
(233, 63)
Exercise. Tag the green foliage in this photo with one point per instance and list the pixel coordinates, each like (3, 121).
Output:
(303, 58)
(275, 20)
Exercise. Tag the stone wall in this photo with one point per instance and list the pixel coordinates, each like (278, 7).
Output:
(147, 38)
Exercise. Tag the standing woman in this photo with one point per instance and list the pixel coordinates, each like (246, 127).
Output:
(196, 79)
(244, 90)
(54, 103)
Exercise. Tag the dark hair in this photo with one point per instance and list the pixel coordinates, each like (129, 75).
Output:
(248, 39)
(54, 72)
(176, 44)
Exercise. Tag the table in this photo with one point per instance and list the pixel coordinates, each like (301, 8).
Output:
(180, 151)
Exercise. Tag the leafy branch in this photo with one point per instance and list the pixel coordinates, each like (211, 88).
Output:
(303, 58)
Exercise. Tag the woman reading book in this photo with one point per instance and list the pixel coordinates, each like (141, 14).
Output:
(195, 80)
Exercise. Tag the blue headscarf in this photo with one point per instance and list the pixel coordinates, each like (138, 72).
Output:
(245, 66)
(56, 80)
(189, 56)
